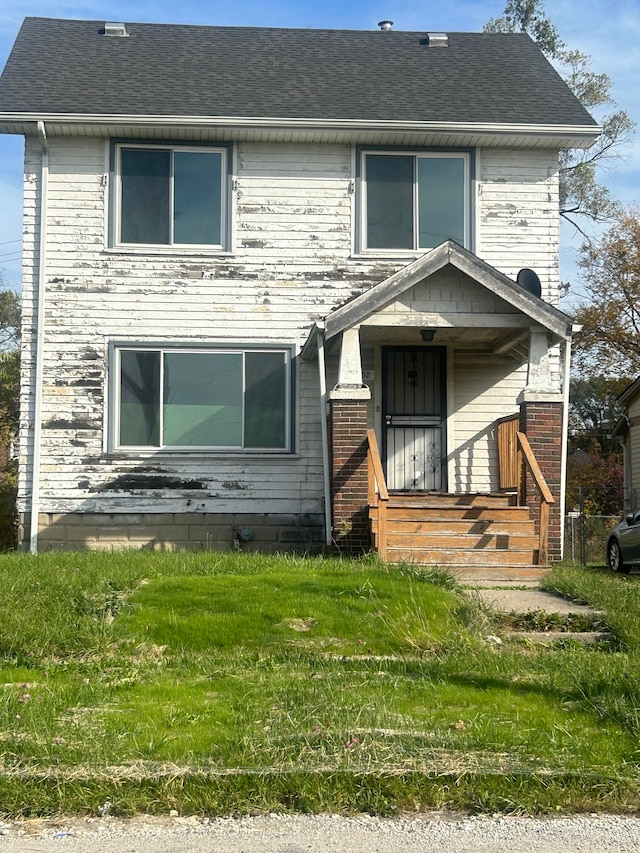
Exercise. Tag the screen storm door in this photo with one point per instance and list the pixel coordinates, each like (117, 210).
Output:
(413, 420)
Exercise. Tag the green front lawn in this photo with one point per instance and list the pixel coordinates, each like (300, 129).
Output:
(226, 683)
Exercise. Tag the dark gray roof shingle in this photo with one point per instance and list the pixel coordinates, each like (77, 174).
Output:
(63, 66)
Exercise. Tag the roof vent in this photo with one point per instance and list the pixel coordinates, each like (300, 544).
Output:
(385, 26)
(113, 29)
(437, 40)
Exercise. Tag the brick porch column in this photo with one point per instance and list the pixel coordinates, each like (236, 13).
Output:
(542, 423)
(541, 419)
(349, 488)
(349, 402)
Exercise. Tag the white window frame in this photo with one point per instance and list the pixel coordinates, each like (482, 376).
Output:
(415, 155)
(225, 153)
(114, 410)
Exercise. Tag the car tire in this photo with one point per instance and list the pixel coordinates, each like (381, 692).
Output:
(614, 558)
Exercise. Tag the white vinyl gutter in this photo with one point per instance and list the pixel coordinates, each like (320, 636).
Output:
(328, 528)
(40, 308)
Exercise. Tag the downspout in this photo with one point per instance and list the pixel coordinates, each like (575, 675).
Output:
(565, 437)
(328, 528)
(37, 403)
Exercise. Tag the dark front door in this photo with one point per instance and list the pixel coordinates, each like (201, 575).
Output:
(413, 420)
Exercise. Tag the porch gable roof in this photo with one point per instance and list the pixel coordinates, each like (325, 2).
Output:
(374, 300)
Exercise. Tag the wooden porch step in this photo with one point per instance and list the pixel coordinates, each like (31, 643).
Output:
(418, 513)
(468, 541)
(446, 557)
(457, 526)
(497, 574)
(442, 499)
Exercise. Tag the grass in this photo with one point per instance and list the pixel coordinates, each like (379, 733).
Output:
(229, 683)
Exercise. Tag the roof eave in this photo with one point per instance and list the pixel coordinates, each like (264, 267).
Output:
(556, 136)
(630, 392)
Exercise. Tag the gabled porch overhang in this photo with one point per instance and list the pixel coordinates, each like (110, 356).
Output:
(520, 323)
(498, 331)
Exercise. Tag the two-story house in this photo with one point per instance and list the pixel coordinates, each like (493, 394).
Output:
(291, 288)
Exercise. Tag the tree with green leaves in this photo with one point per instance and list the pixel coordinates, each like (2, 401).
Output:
(9, 318)
(595, 482)
(594, 464)
(593, 411)
(609, 343)
(582, 197)
(9, 410)
(607, 356)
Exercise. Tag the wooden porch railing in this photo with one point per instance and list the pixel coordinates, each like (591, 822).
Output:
(378, 494)
(514, 452)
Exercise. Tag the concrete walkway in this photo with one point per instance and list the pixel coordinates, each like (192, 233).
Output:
(531, 599)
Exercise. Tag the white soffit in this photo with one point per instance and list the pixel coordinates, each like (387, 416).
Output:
(304, 130)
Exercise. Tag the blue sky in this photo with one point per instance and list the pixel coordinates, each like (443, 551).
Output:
(609, 33)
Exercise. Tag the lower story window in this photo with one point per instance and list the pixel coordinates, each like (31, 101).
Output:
(222, 399)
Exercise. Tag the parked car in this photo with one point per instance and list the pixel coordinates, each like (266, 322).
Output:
(623, 546)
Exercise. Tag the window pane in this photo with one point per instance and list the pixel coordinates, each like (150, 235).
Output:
(197, 193)
(440, 200)
(144, 215)
(265, 400)
(202, 399)
(139, 399)
(389, 202)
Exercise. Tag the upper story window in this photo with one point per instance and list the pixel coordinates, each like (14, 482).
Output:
(201, 399)
(414, 200)
(170, 195)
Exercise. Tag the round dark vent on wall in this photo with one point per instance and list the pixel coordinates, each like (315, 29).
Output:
(529, 280)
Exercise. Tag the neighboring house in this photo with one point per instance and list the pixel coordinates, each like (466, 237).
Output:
(627, 431)
(233, 232)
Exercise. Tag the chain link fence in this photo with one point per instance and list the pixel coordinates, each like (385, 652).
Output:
(585, 537)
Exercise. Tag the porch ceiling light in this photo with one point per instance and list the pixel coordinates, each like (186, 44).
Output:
(427, 335)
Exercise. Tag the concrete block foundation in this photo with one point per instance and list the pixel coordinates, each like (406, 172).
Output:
(176, 532)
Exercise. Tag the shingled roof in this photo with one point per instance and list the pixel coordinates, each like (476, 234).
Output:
(64, 67)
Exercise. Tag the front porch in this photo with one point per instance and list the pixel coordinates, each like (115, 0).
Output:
(446, 419)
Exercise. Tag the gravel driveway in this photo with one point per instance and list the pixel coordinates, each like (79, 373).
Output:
(326, 834)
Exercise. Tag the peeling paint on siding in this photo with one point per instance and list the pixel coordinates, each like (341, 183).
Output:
(61, 423)
(135, 481)
(292, 260)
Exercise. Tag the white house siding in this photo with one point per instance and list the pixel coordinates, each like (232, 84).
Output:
(517, 223)
(485, 389)
(290, 264)
(449, 292)
(292, 242)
